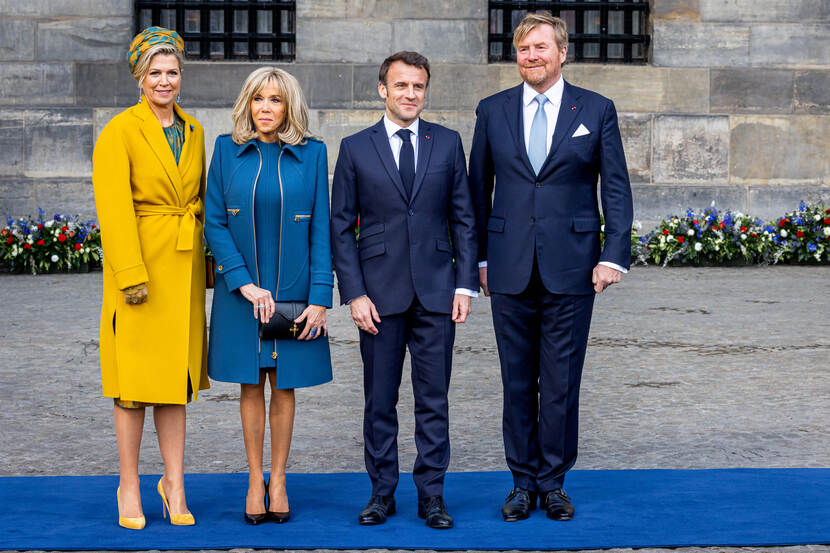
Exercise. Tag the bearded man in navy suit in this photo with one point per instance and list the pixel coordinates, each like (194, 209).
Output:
(408, 277)
(538, 152)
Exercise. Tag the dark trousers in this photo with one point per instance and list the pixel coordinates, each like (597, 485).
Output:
(430, 338)
(541, 339)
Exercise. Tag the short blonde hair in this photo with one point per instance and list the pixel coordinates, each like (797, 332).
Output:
(142, 66)
(534, 19)
(294, 128)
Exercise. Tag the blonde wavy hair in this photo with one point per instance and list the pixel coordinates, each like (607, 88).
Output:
(139, 70)
(534, 19)
(294, 128)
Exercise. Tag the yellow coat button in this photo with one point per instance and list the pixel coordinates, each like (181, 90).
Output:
(219, 267)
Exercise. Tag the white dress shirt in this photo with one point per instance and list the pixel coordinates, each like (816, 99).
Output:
(551, 107)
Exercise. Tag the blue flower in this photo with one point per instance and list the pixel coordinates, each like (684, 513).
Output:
(802, 206)
(812, 247)
(690, 213)
(799, 221)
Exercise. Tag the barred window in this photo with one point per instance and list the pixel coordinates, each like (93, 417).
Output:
(599, 31)
(226, 29)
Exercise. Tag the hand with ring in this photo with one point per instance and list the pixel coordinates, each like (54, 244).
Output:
(315, 322)
(136, 294)
(261, 300)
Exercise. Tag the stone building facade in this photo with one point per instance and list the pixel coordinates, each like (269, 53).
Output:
(734, 106)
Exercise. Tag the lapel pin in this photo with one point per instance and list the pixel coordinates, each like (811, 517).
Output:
(573, 107)
(427, 137)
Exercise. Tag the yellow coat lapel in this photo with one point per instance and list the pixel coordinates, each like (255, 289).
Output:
(186, 157)
(153, 133)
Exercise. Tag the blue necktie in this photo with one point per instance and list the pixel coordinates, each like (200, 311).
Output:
(537, 150)
(406, 161)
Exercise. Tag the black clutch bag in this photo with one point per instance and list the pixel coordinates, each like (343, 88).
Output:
(281, 325)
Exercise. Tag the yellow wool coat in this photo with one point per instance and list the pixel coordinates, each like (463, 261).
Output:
(150, 214)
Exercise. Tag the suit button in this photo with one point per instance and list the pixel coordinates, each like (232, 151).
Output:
(538, 184)
(411, 212)
(533, 219)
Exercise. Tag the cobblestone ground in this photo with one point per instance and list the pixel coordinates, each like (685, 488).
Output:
(686, 368)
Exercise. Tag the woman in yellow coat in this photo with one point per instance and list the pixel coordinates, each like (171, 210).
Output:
(149, 179)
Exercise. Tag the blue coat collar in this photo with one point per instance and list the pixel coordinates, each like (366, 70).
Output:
(295, 150)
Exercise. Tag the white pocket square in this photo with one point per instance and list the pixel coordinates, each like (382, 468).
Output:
(580, 131)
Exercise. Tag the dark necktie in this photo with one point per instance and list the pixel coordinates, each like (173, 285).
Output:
(406, 161)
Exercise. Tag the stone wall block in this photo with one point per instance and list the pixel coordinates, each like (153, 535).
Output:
(17, 197)
(656, 202)
(87, 39)
(58, 143)
(74, 197)
(811, 91)
(691, 149)
(454, 87)
(17, 39)
(779, 149)
(645, 88)
(216, 84)
(774, 11)
(690, 44)
(318, 9)
(675, 9)
(335, 40)
(447, 41)
(769, 202)
(215, 121)
(365, 91)
(109, 84)
(324, 85)
(60, 8)
(11, 143)
(32, 84)
(748, 90)
(418, 9)
(796, 45)
(635, 129)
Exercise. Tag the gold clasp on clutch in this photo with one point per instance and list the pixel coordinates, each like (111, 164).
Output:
(294, 330)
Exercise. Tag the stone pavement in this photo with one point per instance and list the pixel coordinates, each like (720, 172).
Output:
(686, 368)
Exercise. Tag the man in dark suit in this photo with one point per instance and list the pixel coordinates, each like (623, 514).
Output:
(407, 277)
(542, 145)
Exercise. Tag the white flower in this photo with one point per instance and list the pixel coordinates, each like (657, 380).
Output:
(739, 215)
(816, 217)
(637, 225)
(669, 238)
(698, 246)
(766, 232)
(690, 232)
(49, 223)
(602, 228)
(30, 241)
(826, 231)
(55, 258)
(783, 233)
(86, 250)
(717, 248)
(743, 236)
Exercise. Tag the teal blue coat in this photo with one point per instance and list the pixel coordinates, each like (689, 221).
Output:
(305, 260)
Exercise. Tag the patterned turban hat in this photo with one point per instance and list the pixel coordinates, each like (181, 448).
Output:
(150, 37)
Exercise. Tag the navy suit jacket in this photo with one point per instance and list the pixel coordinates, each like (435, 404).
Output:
(555, 214)
(424, 245)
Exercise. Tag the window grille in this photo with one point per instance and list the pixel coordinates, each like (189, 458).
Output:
(598, 31)
(226, 29)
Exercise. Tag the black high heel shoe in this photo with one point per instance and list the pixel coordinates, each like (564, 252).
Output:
(260, 517)
(276, 516)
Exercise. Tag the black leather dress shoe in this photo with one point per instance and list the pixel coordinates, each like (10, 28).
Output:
(558, 505)
(376, 511)
(518, 505)
(435, 512)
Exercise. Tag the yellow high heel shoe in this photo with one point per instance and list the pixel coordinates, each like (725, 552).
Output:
(183, 519)
(135, 523)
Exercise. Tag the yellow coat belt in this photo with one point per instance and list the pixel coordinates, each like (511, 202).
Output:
(188, 224)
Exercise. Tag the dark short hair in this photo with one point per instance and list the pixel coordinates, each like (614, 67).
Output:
(409, 58)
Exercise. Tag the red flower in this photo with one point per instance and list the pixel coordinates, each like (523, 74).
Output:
(721, 224)
(694, 221)
(27, 246)
(64, 228)
(827, 221)
(743, 229)
(827, 210)
(799, 233)
(40, 226)
(753, 234)
(9, 240)
(71, 234)
(40, 242)
(3, 232)
(61, 238)
(680, 239)
(783, 222)
(666, 231)
(78, 247)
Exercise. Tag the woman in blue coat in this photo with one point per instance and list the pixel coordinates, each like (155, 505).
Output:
(267, 224)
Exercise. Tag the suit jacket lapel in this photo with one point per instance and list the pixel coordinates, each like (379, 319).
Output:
(153, 133)
(425, 141)
(569, 109)
(515, 122)
(381, 142)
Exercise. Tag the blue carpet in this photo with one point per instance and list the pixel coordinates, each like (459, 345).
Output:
(626, 508)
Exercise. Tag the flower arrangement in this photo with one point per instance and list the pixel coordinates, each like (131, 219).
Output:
(711, 237)
(39, 245)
